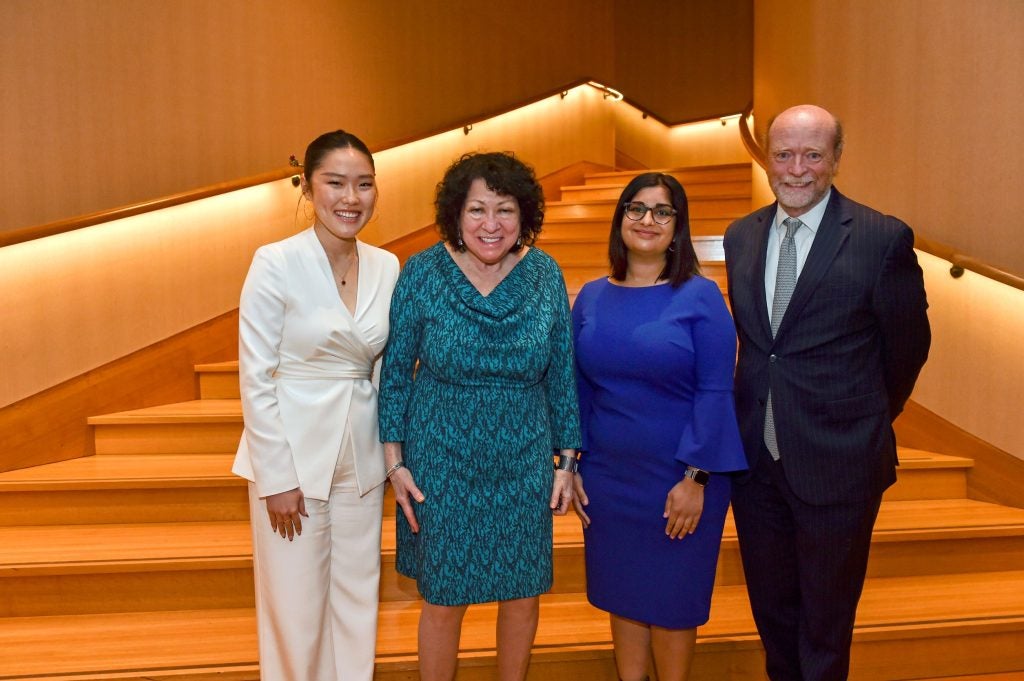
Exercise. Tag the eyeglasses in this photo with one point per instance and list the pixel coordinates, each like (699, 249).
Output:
(662, 214)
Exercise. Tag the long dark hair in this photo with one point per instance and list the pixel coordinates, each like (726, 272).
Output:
(681, 260)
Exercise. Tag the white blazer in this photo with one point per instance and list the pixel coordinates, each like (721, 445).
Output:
(306, 367)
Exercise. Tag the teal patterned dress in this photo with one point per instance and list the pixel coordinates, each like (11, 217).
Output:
(493, 393)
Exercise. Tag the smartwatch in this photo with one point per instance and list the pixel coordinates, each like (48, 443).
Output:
(700, 477)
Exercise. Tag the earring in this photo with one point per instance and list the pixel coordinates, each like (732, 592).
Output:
(672, 247)
(308, 211)
(458, 242)
(519, 242)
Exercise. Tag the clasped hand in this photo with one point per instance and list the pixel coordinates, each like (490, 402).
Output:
(286, 510)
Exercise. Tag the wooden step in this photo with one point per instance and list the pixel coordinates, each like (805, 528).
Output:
(129, 488)
(582, 250)
(218, 380)
(957, 624)
(928, 537)
(929, 475)
(1006, 676)
(578, 275)
(728, 172)
(194, 427)
(152, 566)
(726, 206)
(613, 190)
(599, 227)
(88, 569)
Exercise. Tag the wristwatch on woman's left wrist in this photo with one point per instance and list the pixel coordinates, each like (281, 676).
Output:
(699, 476)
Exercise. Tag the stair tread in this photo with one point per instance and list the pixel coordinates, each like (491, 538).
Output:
(691, 199)
(104, 547)
(192, 411)
(226, 366)
(920, 458)
(620, 185)
(71, 548)
(124, 471)
(894, 607)
(603, 221)
(630, 174)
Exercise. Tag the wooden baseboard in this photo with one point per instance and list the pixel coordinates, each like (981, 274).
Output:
(51, 425)
(997, 476)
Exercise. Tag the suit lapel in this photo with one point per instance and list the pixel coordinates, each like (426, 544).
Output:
(832, 233)
(764, 220)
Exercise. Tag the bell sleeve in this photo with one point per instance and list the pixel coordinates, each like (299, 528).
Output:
(711, 440)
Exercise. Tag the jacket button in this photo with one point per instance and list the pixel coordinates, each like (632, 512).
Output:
(771, 359)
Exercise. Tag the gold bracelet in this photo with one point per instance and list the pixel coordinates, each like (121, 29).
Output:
(394, 467)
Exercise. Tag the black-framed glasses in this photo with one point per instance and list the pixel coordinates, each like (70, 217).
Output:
(662, 214)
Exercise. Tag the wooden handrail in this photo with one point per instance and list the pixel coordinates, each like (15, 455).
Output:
(59, 227)
(958, 261)
(749, 141)
(17, 236)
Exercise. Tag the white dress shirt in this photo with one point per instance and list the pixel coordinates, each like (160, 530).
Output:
(803, 238)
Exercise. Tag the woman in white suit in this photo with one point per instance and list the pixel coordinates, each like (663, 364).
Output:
(313, 319)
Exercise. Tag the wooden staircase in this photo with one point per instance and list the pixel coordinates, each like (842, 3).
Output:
(136, 563)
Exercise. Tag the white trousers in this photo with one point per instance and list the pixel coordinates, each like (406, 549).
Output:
(316, 596)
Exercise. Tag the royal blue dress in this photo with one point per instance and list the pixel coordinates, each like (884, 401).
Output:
(655, 376)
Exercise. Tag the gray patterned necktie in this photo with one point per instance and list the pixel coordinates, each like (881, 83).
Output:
(785, 282)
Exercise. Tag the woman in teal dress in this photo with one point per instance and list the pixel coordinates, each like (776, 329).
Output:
(477, 390)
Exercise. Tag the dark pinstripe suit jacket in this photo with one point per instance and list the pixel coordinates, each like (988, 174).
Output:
(845, 359)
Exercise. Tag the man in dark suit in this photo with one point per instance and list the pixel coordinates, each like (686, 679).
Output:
(831, 314)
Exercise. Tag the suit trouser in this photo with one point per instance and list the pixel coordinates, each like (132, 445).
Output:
(316, 596)
(804, 567)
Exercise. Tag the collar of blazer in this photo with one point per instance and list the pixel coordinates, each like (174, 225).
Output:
(832, 233)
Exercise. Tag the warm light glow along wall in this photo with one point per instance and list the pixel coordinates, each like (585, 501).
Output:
(974, 376)
(549, 134)
(76, 301)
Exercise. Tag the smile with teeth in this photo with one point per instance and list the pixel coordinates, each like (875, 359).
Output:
(347, 214)
(491, 239)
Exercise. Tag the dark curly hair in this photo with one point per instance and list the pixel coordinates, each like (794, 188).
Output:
(681, 260)
(505, 175)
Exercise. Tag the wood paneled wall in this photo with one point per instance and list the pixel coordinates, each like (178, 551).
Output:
(74, 302)
(51, 425)
(685, 61)
(107, 102)
(931, 94)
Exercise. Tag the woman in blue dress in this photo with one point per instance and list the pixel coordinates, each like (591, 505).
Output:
(477, 390)
(655, 350)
